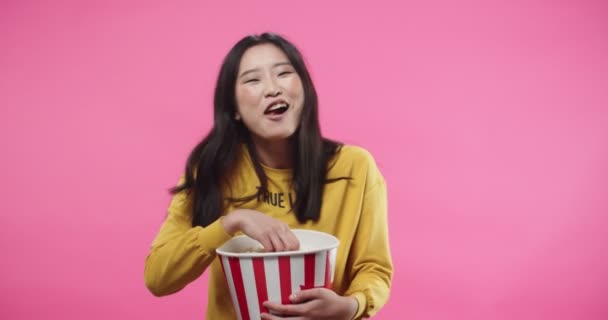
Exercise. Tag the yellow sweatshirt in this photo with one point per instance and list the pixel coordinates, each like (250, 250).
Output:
(355, 211)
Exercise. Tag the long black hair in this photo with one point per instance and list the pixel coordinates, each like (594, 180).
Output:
(212, 161)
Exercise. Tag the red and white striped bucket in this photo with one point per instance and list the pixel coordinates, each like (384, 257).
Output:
(256, 277)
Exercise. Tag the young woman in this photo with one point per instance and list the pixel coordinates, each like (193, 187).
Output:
(264, 169)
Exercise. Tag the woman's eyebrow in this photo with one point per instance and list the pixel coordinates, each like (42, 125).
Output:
(281, 64)
(248, 72)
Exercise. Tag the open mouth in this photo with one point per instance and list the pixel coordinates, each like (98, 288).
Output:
(277, 108)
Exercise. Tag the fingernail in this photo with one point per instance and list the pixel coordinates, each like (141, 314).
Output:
(292, 297)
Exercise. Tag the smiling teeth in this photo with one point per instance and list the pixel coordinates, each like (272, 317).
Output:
(278, 106)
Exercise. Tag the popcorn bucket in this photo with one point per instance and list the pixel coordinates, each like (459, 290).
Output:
(255, 277)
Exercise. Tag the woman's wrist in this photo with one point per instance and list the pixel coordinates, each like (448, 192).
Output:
(230, 224)
(352, 306)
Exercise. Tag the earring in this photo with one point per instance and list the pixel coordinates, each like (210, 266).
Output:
(237, 117)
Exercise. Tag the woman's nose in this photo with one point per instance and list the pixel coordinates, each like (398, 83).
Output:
(272, 89)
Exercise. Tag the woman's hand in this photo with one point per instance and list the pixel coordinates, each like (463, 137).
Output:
(317, 303)
(273, 234)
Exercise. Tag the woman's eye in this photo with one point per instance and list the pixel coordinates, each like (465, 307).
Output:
(251, 80)
(285, 73)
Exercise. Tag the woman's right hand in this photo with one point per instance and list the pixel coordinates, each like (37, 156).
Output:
(273, 234)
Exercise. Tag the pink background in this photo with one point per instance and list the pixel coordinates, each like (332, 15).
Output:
(489, 120)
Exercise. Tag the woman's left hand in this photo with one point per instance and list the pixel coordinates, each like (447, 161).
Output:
(317, 303)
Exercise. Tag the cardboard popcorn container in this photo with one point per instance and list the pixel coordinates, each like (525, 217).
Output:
(254, 277)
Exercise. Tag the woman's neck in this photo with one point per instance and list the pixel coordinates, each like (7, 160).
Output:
(275, 154)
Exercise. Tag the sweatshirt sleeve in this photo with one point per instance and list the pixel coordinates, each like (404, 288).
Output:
(370, 258)
(181, 253)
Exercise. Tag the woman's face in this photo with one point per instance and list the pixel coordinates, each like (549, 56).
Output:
(269, 93)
